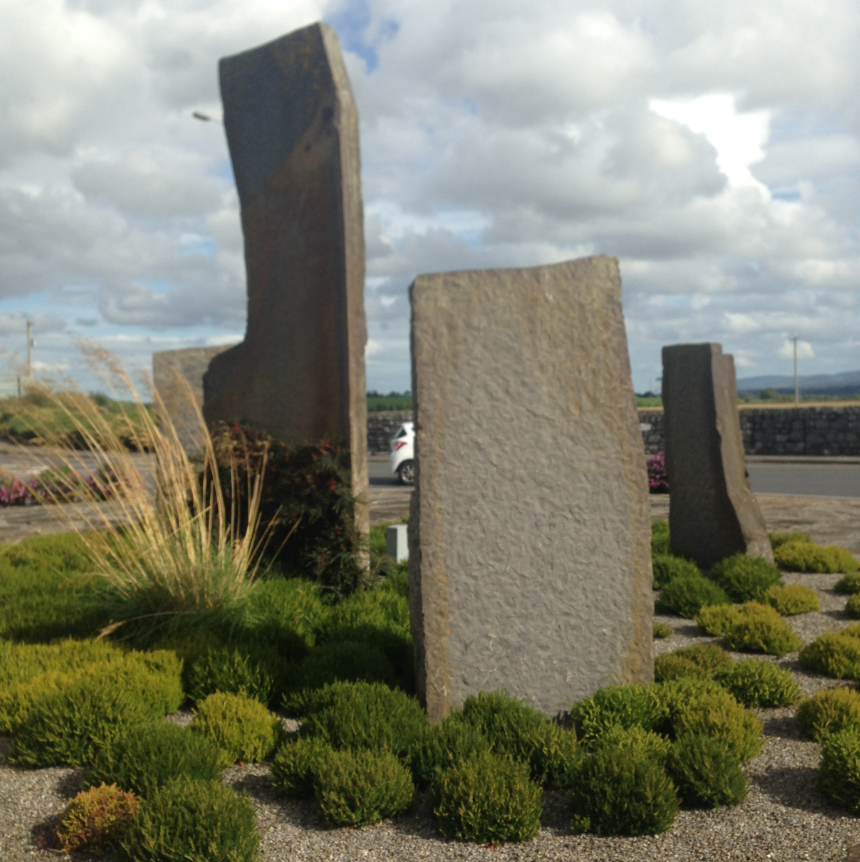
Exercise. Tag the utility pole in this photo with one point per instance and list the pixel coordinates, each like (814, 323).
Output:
(796, 384)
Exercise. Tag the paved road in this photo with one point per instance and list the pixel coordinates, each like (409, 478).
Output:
(819, 480)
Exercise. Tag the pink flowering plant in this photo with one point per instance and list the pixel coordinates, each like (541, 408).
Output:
(59, 486)
(658, 481)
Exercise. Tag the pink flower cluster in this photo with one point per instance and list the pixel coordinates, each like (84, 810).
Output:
(67, 488)
(658, 481)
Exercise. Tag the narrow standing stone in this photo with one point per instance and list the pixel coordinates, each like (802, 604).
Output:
(713, 513)
(529, 558)
(292, 128)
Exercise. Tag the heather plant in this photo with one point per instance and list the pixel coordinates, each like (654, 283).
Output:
(706, 772)
(674, 696)
(658, 479)
(661, 630)
(487, 799)
(757, 684)
(750, 627)
(660, 538)
(193, 820)
(686, 595)
(443, 746)
(744, 578)
(360, 787)
(296, 764)
(848, 583)
(839, 770)
(834, 654)
(150, 755)
(241, 727)
(232, 671)
(792, 600)
(696, 662)
(852, 606)
(716, 620)
(625, 706)
(779, 539)
(667, 567)
(344, 661)
(722, 718)
(829, 711)
(808, 557)
(622, 739)
(96, 820)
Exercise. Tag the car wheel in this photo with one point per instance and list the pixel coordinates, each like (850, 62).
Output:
(406, 473)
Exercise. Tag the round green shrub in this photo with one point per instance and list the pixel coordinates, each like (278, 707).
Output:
(344, 661)
(628, 738)
(716, 620)
(363, 715)
(296, 764)
(839, 769)
(149, 755)
(667, 567)
(673, 697)
(661, 630)
(706, 772)
(68, 727)
(444, 745)
(755, 684)
(759, 628)
(670, 666)
(241, 727)
(622, 792)
(193, 820)
(523, 733)
(852, 606)
(487, 799)
(361, 787)
(230, 670)
(829, 711)
(618, 705)
(696, 662)
(807, 557)
(96, 819)
(660, 538)
(779, 539)
(745, 579)
(721, 717)
(835, 654)
(686, 595)
(792, 600)
(849, 583)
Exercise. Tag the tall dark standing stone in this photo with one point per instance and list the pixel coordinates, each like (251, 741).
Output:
(529, 534)
(713, 513)
(292, 128)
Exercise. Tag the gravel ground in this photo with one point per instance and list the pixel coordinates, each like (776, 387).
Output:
(783, 819)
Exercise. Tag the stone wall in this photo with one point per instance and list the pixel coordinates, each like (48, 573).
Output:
(819, 431)
(382, 426)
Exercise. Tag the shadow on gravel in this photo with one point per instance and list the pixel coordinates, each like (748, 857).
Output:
(795, 787)
(70, 785)
(782, 727)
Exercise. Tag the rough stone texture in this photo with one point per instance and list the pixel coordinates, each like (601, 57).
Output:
(292, 127)
(529, 533)
(712, 511)
(178, 375)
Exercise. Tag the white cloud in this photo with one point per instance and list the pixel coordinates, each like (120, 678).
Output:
(804, 350)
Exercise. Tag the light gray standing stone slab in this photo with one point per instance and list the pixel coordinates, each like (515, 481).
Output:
(292, 128)
(529, 533)
(713, 512)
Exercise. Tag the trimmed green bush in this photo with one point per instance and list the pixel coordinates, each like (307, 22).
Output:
(661, 630)
(96, 819)
(283, 610)
(344, 661)
(670, 666)
(487, 799)
(752, 627)
(148, 756)
(756, 684)
(852, 606)
(193, 820)
(296, 764)
(523, 733)
(241, 727)
(23, 662)
(357, 788)
(792, 600)
(627, 738)
(619, 705)
(745, 579)
(686, 595)
(816, 559)
(673, 697)
(839, 770)
(706, 772)
(721, 717)
(716, 620)
(230, 671)
(829, 711)
(622, 792)
(660, 538)
(779, 539)
(849, 583)
(835, 654)
(70, 726)
(444, 745)
(667, 567)
(363, 715)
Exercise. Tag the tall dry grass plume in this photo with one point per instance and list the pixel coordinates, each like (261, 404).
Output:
(167, 550)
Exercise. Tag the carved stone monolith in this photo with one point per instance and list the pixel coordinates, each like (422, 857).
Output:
(529, 534)
(292, 128)
(713, 513)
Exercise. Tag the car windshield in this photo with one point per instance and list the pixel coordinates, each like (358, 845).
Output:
(402, 433)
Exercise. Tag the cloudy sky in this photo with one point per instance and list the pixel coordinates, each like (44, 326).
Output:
(713, 147)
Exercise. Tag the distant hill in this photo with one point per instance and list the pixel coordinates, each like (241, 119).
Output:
(844, 383)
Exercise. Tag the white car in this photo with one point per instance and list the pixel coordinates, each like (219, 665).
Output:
(402, 457)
